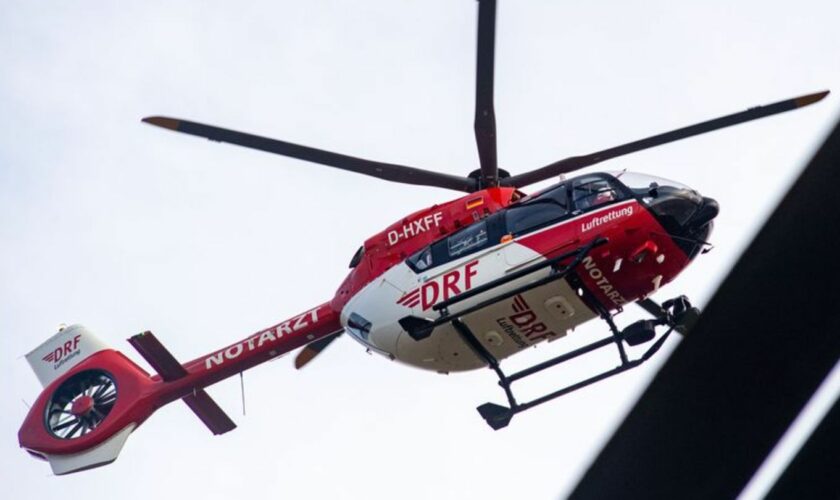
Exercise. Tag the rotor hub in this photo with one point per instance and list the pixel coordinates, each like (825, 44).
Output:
(82, 405)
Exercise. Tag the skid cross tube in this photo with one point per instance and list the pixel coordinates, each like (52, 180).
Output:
(623, 367)
(491, 360)
(607, 317)
(559, 359)
(498, 416)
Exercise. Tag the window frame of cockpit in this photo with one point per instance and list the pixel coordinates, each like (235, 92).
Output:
(357, 257)
(643, 195)
(622, 192)
(539, 199)
(497, 223)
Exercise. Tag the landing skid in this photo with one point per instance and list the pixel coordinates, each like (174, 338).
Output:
(676, 314)
(498, 416)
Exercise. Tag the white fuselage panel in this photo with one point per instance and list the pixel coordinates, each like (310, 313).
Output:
(504, 328)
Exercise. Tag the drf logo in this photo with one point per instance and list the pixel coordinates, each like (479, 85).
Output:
(444, 287)
(63, 351)
(414, 228)
(524, 322)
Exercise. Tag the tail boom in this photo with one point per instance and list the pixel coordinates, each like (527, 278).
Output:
(265, 345)
(50, 431)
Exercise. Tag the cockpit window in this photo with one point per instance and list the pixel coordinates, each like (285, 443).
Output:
(593, 191)
(558, 194)
(359, 327)
(641, 184)
(470, 238)
(539, 211)
(421, 260)
(357, 257)
(534, 215)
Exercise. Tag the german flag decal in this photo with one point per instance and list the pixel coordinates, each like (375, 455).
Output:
(475, 202)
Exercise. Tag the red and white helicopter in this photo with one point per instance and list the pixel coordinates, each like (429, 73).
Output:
(456, 286)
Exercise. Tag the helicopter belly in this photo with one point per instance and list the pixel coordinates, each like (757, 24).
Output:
(504, 328)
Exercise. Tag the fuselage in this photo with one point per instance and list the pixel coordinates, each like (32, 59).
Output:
(653, 229)
(647, 231)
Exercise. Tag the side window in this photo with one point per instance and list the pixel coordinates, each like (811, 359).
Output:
(421, 260)
(475, 237)
(357, 257)
(533, 215)
(592, 192)
(558, 195)
(469, 239)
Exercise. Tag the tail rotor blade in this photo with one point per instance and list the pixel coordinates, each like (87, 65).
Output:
(385, 171)
(577, 162)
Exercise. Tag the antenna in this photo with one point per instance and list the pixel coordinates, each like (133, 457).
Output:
(242, 388)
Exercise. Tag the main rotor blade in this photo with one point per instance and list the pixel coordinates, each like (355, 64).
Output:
(485, 117)
(386, 171)
(309, 352)
(577, 162)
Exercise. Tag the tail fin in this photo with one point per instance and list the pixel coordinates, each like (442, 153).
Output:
(94, 397)
(61, 352)
(71, 424)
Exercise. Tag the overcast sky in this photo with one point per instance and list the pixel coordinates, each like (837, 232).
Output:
(126, 228)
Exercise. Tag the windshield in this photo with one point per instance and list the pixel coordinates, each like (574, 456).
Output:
(650, 187)
(642, 182)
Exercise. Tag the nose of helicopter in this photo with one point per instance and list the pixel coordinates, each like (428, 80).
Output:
(685, 214)
(687, 217)
(706, 212)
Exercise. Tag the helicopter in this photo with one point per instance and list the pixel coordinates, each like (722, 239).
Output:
(458, 286)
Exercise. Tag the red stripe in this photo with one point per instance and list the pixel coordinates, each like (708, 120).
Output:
(409, 296)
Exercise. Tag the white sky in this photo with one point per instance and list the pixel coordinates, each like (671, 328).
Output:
(125, 227)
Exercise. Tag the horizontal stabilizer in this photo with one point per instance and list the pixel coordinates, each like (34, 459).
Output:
(170, 369)
(209, 412)
(158, 356)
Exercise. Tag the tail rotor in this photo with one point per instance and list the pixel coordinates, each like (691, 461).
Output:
(81, 404)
